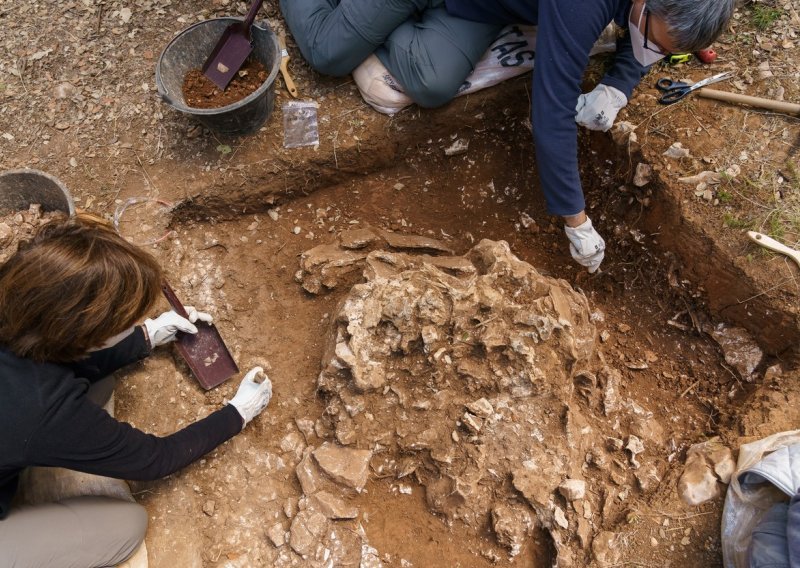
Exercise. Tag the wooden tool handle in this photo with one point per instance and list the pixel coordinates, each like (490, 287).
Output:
(773, 245)
(290, 86)
(769, 104)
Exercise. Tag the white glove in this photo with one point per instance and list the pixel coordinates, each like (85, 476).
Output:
(252, 397)
(585, 245)
(164, 328)
(598, 109)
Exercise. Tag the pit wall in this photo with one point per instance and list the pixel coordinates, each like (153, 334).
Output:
(268, 175)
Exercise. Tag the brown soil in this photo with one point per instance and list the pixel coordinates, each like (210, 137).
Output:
(674, 260)
(200, 92)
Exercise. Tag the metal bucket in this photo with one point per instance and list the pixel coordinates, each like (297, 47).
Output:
(19, 189)
(189, 50)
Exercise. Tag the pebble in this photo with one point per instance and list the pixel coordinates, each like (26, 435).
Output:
(296, 230)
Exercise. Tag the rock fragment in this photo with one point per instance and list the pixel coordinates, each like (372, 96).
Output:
(347, 466)
(511, 527)
(572, 489)
(333, 507)
(307, 529)
(277, 535)
(644, 172)
(707, 464)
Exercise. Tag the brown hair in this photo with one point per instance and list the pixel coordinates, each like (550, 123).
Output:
(73, 286)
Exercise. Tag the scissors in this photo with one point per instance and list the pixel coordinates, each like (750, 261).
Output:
(676, 90)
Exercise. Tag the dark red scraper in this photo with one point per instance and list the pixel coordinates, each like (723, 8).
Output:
(231, 50)
(204, 352)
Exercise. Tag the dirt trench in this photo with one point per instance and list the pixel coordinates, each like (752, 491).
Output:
(235, 250)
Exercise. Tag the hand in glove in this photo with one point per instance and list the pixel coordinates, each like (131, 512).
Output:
(585, 245)
(252, 397)
(598, 109)
(164, 328)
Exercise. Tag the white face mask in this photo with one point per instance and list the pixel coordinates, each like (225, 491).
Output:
(645, 56)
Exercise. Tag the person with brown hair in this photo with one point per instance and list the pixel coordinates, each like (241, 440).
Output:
(70, 299)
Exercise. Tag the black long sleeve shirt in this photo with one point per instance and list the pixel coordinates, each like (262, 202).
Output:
(46, 419)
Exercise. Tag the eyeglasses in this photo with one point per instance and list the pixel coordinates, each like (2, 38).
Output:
(658, 49)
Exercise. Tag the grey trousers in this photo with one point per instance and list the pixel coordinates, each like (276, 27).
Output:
(427, 50)
(79, 532)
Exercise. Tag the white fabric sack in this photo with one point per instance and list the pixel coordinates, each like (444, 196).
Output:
(512, 54)
(768, 472)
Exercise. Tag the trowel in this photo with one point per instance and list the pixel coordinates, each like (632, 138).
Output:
(231, 50)
(206, 354)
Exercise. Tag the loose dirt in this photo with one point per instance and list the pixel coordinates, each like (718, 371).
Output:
(200, 92)
(19, 226)
(230, 219)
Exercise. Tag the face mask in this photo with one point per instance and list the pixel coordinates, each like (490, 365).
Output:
(645, 56)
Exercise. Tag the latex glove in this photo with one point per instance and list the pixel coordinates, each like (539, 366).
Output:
(165, 327)
(586, 246)
(252, 397)
(598, 109)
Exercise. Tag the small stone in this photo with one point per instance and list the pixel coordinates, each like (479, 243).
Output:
(64, 91)
(604, 336)
(653, 541)
(273, 214)
(472, 422)
(623, 328)
(334, 507)
(560, 518)
(635, 447)
(307, 529)
(398, 186)
(296, 230)
(481, 407)
(677, 151)
(643, 174)
(572, 489)
(209, 507)
(460, 146)
(277, 535)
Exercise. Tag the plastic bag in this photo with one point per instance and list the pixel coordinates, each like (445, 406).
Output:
(749, 497)
(300, 126)
(511, 54)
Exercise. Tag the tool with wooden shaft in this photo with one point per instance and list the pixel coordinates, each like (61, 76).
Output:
(775, 246)
(287, 79)
(758, 102)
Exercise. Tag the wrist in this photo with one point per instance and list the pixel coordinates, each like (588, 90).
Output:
(575, 220)
(146, 337)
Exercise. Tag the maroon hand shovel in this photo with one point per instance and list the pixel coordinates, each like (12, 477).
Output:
(205, 352)
(231, 50)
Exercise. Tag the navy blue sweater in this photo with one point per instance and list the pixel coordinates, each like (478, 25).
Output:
(46, 419)
(566, 32)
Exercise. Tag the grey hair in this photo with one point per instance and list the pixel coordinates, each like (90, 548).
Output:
(693, 24)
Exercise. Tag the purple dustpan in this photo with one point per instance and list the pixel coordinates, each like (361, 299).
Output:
(231, 50)
(205, 352)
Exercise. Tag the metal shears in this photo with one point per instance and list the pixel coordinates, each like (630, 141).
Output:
(676, 90)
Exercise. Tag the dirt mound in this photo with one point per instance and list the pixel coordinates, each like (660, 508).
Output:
(472, 375)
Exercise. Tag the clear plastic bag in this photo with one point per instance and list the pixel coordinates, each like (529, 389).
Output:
(300, 127)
